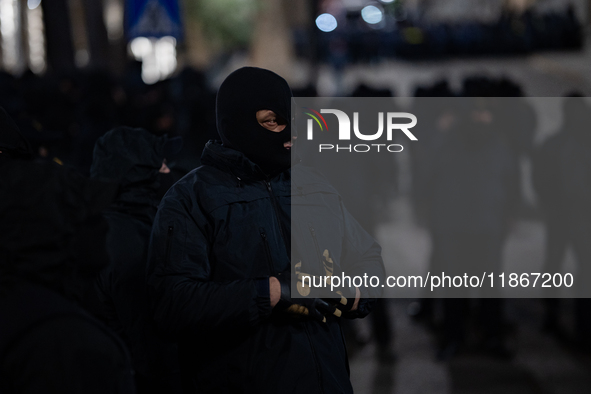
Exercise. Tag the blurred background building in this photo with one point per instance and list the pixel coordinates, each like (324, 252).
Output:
(293, 38)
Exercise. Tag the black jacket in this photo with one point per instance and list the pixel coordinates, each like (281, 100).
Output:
(121, 300)
(221, 231)
(130, 158)
(51, 237)
(50, 345)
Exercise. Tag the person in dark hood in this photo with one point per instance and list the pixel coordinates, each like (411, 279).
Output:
(219, 266)
(52, 233)
(134, 159)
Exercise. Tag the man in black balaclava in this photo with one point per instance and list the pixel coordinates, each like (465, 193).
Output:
(219, 266)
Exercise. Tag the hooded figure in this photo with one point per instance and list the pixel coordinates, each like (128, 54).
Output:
(220, 257)
(241, 95)
(52, 234)
(134, 159)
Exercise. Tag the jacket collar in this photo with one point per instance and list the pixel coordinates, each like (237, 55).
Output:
(230, 160)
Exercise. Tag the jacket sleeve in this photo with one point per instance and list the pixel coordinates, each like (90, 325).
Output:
(184, 297)
(104, 305)
(362, 256)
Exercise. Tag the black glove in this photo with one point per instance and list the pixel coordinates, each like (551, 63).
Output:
(316, 308)
(344, 298)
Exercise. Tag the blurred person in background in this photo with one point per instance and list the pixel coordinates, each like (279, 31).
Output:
(195, 118)
(382, 323)
(52, 234)
(546, 177)
(96, 113)
(438, 118)
(562, 179)
(474, 193)
(133, 159)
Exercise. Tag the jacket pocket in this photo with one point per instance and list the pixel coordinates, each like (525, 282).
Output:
(267, 251)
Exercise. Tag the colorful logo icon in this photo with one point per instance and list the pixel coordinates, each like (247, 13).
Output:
(316, 118)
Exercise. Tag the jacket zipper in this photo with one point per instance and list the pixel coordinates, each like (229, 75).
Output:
(315, 357)
(276, 209)
(267, 251)
(168, 242)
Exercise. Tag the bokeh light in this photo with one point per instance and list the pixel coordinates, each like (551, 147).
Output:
(326, 22)
(32, 4)
(372, 14)
(158, 57)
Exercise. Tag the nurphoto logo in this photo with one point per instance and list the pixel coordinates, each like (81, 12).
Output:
(344, 131)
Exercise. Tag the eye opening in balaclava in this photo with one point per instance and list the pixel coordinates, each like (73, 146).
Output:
(270, 120)
(243, 93)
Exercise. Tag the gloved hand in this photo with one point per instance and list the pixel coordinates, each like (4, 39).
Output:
(344, 298)
(315, 308)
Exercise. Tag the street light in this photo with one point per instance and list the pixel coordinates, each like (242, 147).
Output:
(326, 22)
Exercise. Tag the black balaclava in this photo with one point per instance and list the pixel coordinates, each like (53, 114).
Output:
(242, 94)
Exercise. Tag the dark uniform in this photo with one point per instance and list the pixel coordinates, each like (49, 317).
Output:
(132, 158)
(52, 236)
(224, 229)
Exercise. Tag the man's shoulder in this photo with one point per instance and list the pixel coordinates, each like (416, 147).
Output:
(203, 173)
(203, 177)
(206, 187)
(307, 179)
(307, 172)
